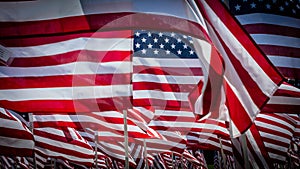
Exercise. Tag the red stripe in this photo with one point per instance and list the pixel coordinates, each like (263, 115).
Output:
(276, 142)
(283, 108)
(42, 40)
(73, 56)
(160, 103)
(283, 117)
(178, 71)
(15, 133)
(257, 96)
(278, 133)
(84, 105)
(292, 73)
(243, 38)
(280, 51)
(9, 151)
(288, 93)
(62, 139)
(64, 81)
(258, 140)
(164, 87)
(240, 118)
(213, 131)
(276, 151)
(260, 28)
(108, 21)
(174, 118)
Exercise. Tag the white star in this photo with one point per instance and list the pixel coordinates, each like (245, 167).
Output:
(191, 52)
(281, 8)
(160, 34)
(173, 46)
(167, 52)
(237, 7)
(149, 34)
(286, 3)
(167, 40)
(161, 46)
(185, 46)
(184, 36)
(172, 34)
(253, 5)
(137, 45)
(294, 11)
(155, 52)
(144, 40)
(149, 45)
(179, 52)
(144, 51)
(191, 42)
(155, 40)
(137, 34)
(268, 6)
(178, 40)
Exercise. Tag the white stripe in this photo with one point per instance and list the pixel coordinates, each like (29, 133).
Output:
(177, 113)
(277, 156)
(67, 156)
(273, 127)
(170, 62)
(66, 146)
(284, 61)
(281, 100)
(153, 94)
(276, 147)
(214, 127)
(276, 40)
(16, 142)
(255, 18)
(11, 124)
(256, 148)
(171, 124)
(66, 93)
(93, 44)
(26, 11)
(236, 83)
(277, 120)
(148, 113)
(274, 137)
(249, 64)
(289, 87)
(168, 79)
(74, 68)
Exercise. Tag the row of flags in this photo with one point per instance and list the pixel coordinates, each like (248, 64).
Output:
(191, 78)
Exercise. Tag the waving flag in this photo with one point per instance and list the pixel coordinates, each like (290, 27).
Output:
(249, 79)
(63, 144)
(275, 27)
(16, 138)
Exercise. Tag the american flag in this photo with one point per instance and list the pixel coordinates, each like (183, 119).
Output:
(249, 79)
(275, 27)
(16, 138)
(165, 69)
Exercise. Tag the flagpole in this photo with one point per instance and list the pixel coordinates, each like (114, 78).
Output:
(126, 139)
(222, 153)
(172, 156)
(145, 154)
(96, 148)
(245, 151)
(31, 128)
